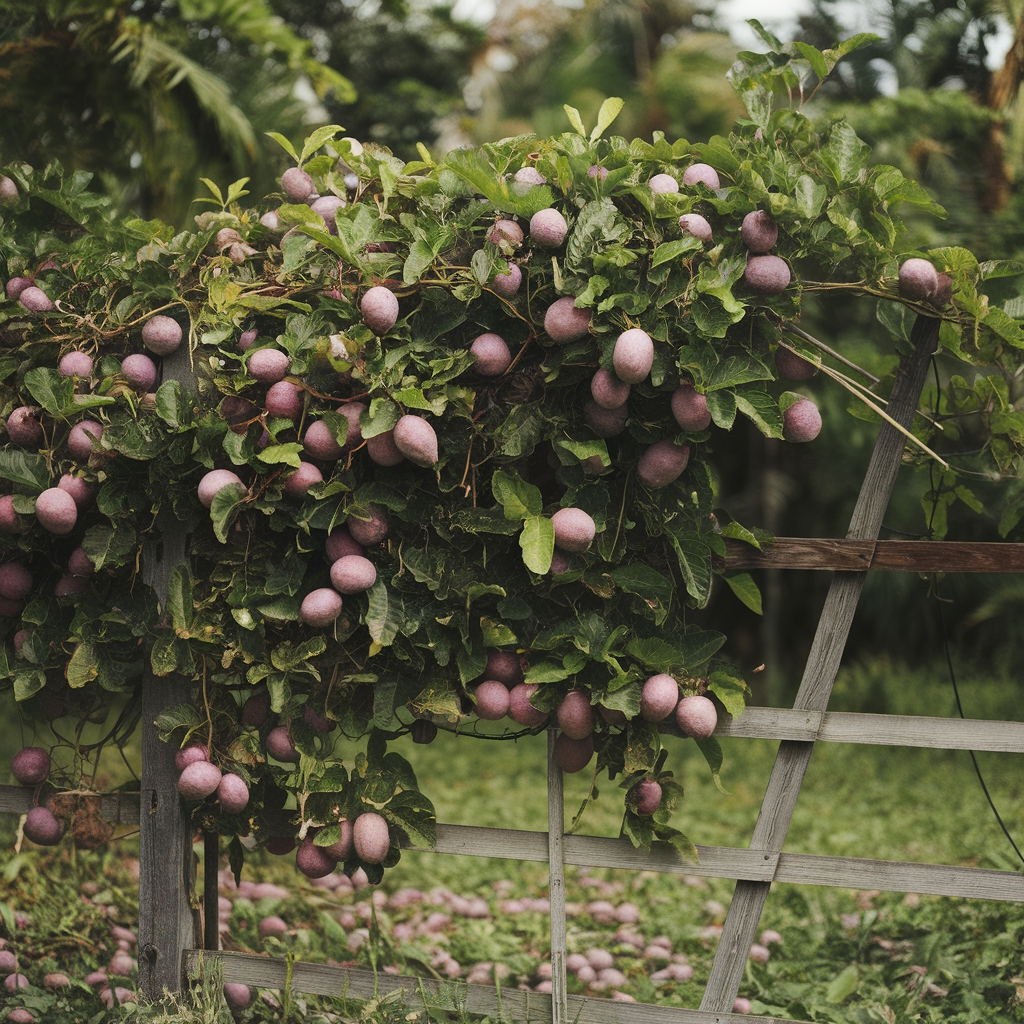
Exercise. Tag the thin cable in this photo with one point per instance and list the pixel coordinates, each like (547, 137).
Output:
(960, 708)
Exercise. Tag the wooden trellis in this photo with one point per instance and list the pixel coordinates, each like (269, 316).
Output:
(168, 926)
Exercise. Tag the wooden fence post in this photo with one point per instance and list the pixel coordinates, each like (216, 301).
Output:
(166, 861)
(819, 675)
(556, 885)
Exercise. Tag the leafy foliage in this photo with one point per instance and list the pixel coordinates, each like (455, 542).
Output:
(465, 565)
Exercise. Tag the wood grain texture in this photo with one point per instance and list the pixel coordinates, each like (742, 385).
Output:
(556, 885)
(876, 730)
(167, 924)
(820, 671)
(845, 555)
(901, 876)
(117, 808)
(522, 1007)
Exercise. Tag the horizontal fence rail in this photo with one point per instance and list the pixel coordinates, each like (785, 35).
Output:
(520, 1006)
(714, 861)
(861, 555)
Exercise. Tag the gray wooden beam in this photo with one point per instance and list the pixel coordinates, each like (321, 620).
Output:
(514, 1004)
(820, 672)
(167, 924)
(556, 885)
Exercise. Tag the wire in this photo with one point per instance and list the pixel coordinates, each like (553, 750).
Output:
(960, 708)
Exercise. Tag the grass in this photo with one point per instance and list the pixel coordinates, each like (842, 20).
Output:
(845, 956)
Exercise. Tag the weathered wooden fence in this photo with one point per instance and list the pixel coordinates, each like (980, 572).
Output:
(168, 928)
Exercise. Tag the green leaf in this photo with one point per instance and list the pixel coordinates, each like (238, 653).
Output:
(56, 394)
(730, 691)
(226, 505)
(743, 586)
(546, 672)
(843, 985)
(810, 196)
(641, 579)
(694, 558)
(495, 633)
(168, 402)
(286, 454)
(519, 499)
(815, 58)
(27, 469)
(316, 140)
(762, 409)
(605, 116)
(179, 598)
(110, 546)
(643, 744)
(574, 118)
(673, 250)
(712, 751)
(384, 614)
(537, 542)
(83, 666)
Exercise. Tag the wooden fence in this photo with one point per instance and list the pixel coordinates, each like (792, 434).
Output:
(168, 926)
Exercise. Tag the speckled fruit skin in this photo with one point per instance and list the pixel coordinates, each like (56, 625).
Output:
(30, 766)
(529, 176)
(140, 371)
(605, 422)
(505, 231)
(697, 716)
(790, 366)
(663, 184)
(256, 708)
(320, 443)
(574, 529)
(507, 284)
(190, 755)
(576, 715)
(702, 173)
(759, 232)
(15, 581)
(380, 309)
(801, 421)
(80, 439)
(233, 794)
(416, 440)
(246, 340)
(503, 666)
(943, 292)
(75, 364)
(382, 449)
(298, 483)
(608, 390)
(658, 698)
(647, 796)
(559, 564)
(10, 521)
(767, 275)
(318, 722)
(690, 409)
(280, 746)
(236, 995)
(340, 543)
(663, 462)
(597, 171)
(698, 226)
(573, 755)
(320, 608)
(633, 355)
(79, 564)
(353, 574)
(42, 827)
(272, 925)
(492, 354)
(492, 700)
(342, 849)
(280, 846)
(35, 300)
(297, 184)
(161, 335)
(69, 586)
(521, 710)
(353, 431)
(548, 228)
(23, 428)
(919, 280)
(269, 365)
(214, 482)
(327, 207)
(371, 838)
(199, 780)
(369, 531)
(80, 490)
(56, 511)
(312, 860)
(563, 322)
(16, 285)
(284, 399)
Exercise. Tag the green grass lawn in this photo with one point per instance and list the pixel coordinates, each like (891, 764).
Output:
(845, 956)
